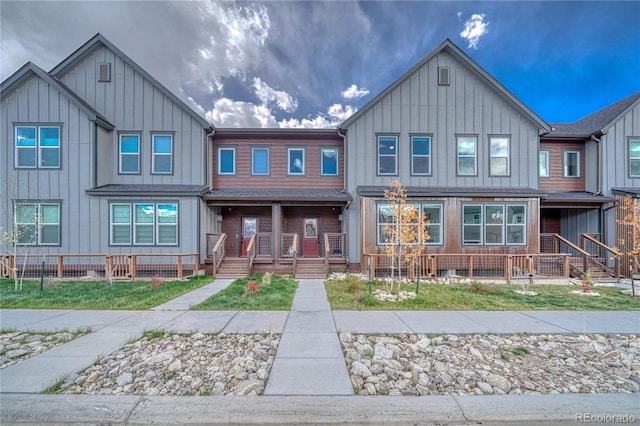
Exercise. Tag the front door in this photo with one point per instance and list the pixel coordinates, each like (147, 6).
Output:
(249, 228)
(311, 237)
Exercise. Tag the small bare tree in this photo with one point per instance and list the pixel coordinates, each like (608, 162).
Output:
(405, 235)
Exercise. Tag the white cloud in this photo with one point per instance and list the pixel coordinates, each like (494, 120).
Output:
(334, 116)
(229, 113)
(353, 92)
(474, 28)
(268, 95)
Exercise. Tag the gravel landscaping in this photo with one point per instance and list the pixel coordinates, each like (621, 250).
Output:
(16, 346)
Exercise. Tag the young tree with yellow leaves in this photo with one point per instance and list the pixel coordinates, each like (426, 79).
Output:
(629, 228)
(406, 234)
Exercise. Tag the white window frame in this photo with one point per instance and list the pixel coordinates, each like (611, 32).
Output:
(122, 155)
(492, 157)
(632, 158)
(565, 163)
(420, 205)
(415, 156)
(39, 148)
(112, 224)
(253, 161)
(322, 157)
(379, 156)
(289, 152)
(155, 155)
(134, 226)
(233, 151)
(510, 223)
(459, 156)
(38, 223)
(543, 158)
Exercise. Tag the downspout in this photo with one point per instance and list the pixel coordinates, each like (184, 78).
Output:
(345, 216)
(209, 132)
(95, 155)
(598, 165)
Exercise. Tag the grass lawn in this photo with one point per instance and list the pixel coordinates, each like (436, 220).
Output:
(276, 296)
(349, 295)
(123, 295)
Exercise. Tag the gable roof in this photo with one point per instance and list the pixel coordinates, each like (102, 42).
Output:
(450, 47)
(598, 122)
(99, 40)
(29, 69)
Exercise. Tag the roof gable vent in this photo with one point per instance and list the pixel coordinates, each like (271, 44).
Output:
(104, 72)
(443, 76)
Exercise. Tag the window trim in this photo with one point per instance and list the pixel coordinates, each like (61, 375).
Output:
(231, 149)
(508, 156)
(133, 224)
(121, 154)
(163, 154)
(395, 156)
(337, 151)
(630, 140)
(39, 225)
(429, 156)
(420, 203)
(547, 154)
(253, 160)
(474, 156)
(304, 154)
(38, 148)
(565, 153)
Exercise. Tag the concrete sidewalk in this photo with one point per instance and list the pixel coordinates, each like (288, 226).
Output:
(308, 383)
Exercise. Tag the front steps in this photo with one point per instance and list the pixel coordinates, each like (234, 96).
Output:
(233, 267)
(310, 268)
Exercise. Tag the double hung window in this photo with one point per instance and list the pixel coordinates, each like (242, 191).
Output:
(499, 156)
(420, 155)
(493, 224)
(37, 223)
(467, 155)
(162, 149)
(144, 224)
(387, 155)
(634, 157)
(129, 154)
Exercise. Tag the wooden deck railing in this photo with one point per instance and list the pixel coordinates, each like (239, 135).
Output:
(600, 254)
(218, 252)
(104, 266)
(334, 247)
(554, 243)
(251, 253)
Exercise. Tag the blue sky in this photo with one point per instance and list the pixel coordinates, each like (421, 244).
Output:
(293, 64)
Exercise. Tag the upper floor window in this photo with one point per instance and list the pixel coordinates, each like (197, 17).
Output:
(260, 161)
(295, 164)
(571, 161)
(162, 158)
(493, 224)
(467, 155)
(543, 160)
(37, 223)
(499, 156)
(387, 155)
(129, 153)
(329, 161)
(420, 155)
(226, 161)
(144, 224)
(634, 158)
(37, 147)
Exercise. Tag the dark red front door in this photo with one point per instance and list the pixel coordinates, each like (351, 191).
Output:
(249, 228)
(311, 237)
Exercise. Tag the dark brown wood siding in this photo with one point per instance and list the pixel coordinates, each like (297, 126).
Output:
(556, 182)
(278, 177)
(328, 220)
(232, 225)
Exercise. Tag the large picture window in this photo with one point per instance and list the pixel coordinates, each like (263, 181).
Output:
(387, 155)
(420, 155)
(144, 224)
(162, 159)
(493, 224)
(467, 155)
(129, 154)
(37, 223)
(431, 212)
(37, 147)
(634, 157)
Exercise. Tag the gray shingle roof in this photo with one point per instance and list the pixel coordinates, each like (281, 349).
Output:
(634, 192)
(149, 190)
(580, 197)
(447, 191)
(599, 120)
(320, 195)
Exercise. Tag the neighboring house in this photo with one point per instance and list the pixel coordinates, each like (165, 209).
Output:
(461, 144)
(277, 183)
(109, 159)
(587, 167)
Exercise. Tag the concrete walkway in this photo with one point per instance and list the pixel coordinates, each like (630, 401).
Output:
(309, 382)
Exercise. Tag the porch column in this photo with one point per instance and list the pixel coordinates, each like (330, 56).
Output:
(276, 211)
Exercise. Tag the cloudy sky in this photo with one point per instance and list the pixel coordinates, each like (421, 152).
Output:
(313, 63)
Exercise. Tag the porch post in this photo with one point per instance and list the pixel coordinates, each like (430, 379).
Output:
(276, 211)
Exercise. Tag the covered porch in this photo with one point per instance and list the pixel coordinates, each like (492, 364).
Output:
(298, 232)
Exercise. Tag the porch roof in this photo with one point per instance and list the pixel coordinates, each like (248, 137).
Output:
(257, 194)
(157, 190)
(455, 191)
(634, 192)
(575, 197)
